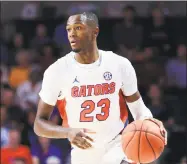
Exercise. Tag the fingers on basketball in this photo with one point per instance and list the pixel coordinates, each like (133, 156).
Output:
(162, 129)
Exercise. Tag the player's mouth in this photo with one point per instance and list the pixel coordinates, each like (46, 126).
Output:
(73, 43)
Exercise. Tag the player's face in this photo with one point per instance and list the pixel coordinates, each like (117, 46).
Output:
(80, 35)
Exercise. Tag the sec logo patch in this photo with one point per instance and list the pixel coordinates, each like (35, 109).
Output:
(107, 76)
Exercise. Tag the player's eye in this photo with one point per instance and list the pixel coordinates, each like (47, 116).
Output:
(68, 29)
(78, 28)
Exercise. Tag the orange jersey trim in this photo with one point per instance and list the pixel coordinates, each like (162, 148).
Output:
(61, 105)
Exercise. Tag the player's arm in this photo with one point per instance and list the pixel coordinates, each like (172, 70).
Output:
(133, 98)
(49, 95)
(43, 127)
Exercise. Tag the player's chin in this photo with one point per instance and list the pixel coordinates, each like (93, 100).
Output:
(76, 50)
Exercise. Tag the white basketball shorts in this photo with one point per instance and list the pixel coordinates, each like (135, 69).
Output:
(111, 153)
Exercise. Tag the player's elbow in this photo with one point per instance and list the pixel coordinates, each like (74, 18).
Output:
(37, 128)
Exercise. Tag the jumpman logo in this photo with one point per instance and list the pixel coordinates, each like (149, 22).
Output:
(60, 94)
(76, 81)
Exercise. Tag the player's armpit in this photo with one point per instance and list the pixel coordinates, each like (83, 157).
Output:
(43, 127)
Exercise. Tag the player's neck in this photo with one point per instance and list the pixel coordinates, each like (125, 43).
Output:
(87, 57)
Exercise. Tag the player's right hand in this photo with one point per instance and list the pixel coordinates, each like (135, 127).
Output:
(78, 138)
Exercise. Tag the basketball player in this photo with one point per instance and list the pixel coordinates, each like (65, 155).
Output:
(91, 88)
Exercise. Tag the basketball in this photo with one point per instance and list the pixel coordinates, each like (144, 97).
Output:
(142, 141)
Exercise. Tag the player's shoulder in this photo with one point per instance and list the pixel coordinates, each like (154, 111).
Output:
(110, 56)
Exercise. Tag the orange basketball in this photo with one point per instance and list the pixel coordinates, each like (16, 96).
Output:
(142, 141)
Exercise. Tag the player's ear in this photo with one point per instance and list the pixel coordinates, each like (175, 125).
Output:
(96, 32)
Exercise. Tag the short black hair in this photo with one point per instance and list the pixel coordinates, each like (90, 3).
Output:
(6, 86)
(15, 126)
(90, 17)
(129, 8)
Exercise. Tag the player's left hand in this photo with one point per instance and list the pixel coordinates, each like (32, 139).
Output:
(162, 128)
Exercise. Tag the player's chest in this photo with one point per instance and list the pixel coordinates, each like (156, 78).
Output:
(88, 83)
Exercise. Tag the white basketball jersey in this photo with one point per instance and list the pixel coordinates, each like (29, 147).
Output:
(91, 95)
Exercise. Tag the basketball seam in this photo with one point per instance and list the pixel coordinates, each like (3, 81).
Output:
(156, 136)
(131, 138)
(150, 144)
(139, 143)
(149, 132)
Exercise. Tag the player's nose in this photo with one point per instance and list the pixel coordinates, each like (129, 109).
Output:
(72, 33)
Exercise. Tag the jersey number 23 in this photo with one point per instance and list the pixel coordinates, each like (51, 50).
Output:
(89, 106)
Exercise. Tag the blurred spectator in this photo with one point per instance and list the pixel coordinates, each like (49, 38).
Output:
(79, 7)
(61, 39)
(4, 73)
(144, 55)
(27, 92)
(17, 44)
(16, 116)
(48, 56)
(41, 37)
(113, 9)
(4, 126)
(176, 144)
(163, 6)
(30, 10)
(22, 69)
(149, 71)
(128, 35)
(158, 33)
(45, 152)
(148, 53)
(176, 69)
(7, 95)
(183, 160)
(4, 52)
(14, 149)
(8, 100)
(8, 31)
(28, 132)
(157, 104)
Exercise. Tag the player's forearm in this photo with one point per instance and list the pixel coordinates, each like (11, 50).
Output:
(45, 128)
(138, 110)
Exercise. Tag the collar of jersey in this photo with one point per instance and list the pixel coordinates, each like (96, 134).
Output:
(96, 64)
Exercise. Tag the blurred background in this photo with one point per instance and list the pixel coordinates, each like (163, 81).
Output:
(152, 35)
